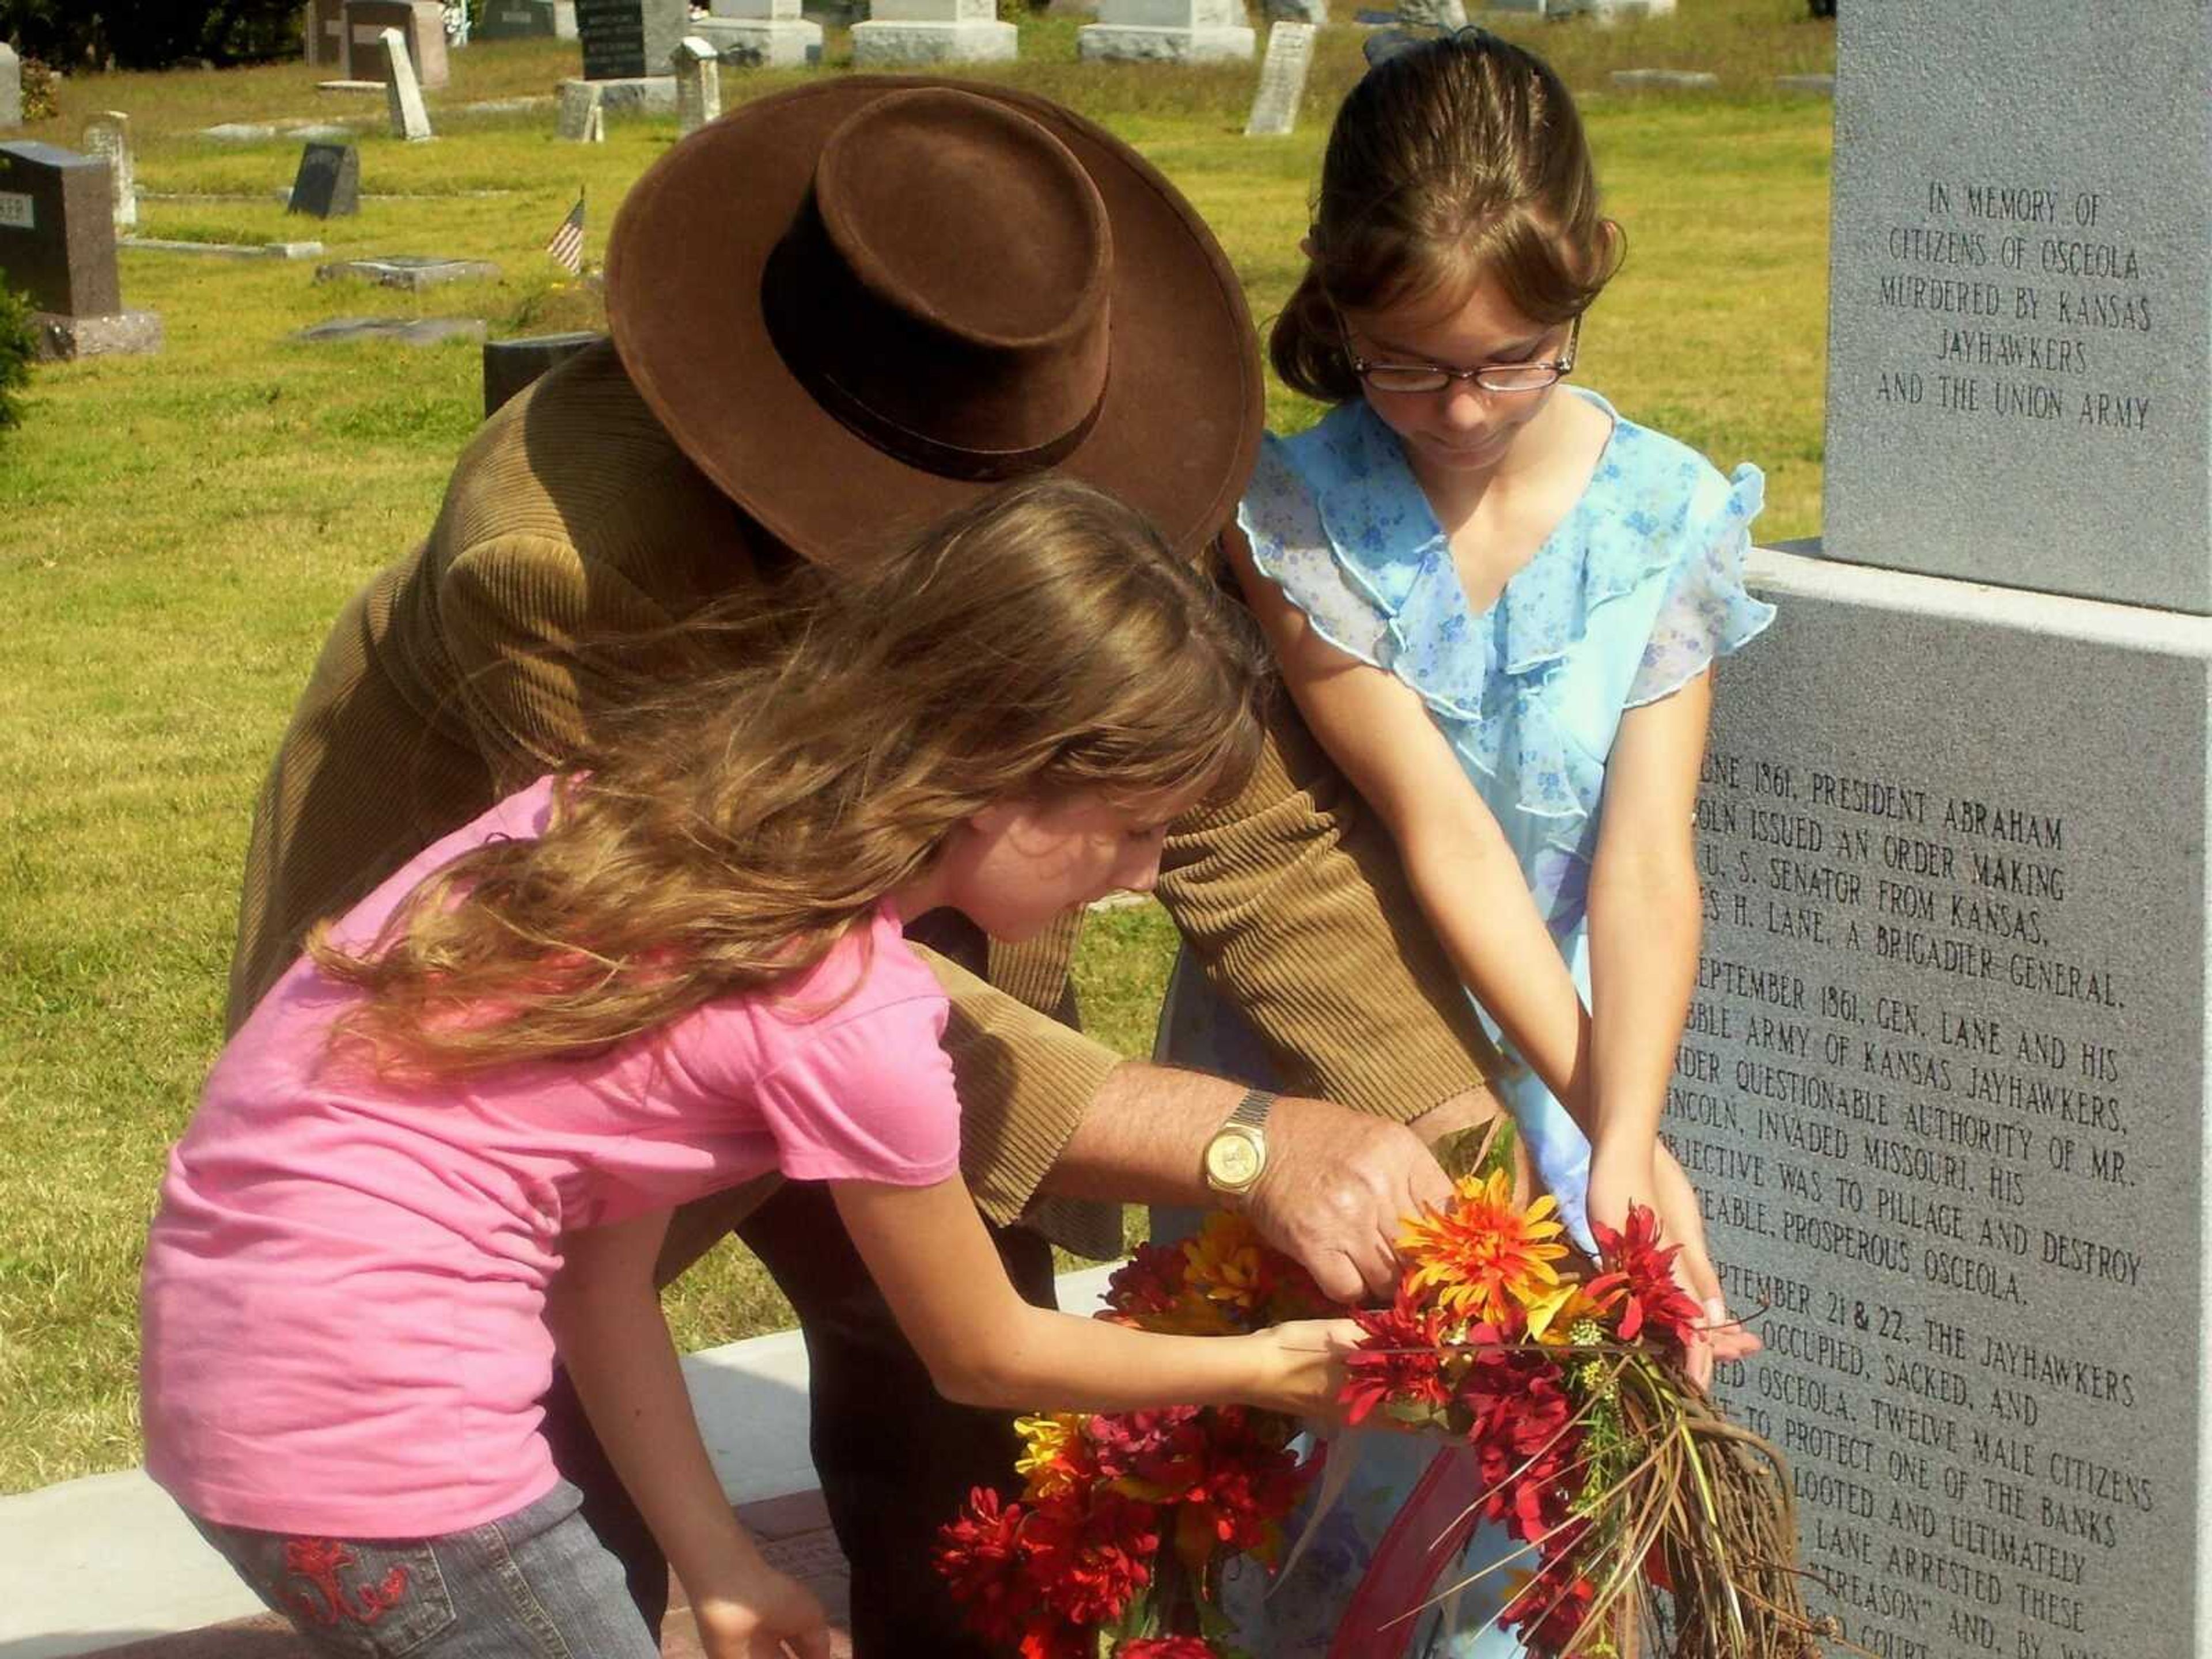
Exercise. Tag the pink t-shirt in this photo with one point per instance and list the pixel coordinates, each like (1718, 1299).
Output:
(343, 1289)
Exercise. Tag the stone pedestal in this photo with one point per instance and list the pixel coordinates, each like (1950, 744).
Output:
(421, 23)
(762, 33)
(1192, 30)
(58, 339)
(932, 31)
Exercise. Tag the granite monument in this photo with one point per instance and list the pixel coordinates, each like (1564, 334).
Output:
(57, 247)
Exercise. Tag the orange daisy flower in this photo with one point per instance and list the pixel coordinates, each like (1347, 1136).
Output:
(1482, 1254)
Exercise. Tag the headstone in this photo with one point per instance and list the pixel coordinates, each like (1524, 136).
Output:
(2018, 298)
(629, 39)
(325, 29)
(698, 70)
(1943, 1085)
(527, 20)
(1282, 80)
(225, 250)
(1297, 11)
(578, 115)
(421, 23)
(109, 137)
(762, 33)
(1192, 31)
(328, 183)
(1440, 14)
(900, 31)
(403, 97)
(411, 272)
(57, 247)
(11, 86)
(406, 330)
(239, 132)
(511, 365)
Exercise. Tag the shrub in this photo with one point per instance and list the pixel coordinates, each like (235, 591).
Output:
(18, 344)
(151, 33)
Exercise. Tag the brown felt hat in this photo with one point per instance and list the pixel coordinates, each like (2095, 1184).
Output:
(862, 304)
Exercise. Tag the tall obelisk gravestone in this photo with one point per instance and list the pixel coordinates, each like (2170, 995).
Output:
(1943, 1085)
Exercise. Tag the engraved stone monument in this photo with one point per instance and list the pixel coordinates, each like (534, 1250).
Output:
(421, 25)
(328, 183)
(1942, 1088)
(324, 26)
(108, 135)
(579, 115)
(11, 86)
(410, 120)
(2024, 298)
(1282, 80)
(626, 47)
(698, 71)
(1177, 30)
(57, 246)
(762, 33)
(932, 31)
(527, 20)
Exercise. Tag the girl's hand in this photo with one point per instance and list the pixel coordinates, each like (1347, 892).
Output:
(1302, 1366)
(1618, 1181)
(1685, 1226)
(769, 1615)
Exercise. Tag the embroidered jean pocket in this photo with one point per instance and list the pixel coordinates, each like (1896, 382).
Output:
(379, 1601)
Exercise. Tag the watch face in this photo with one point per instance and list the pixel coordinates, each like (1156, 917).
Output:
(1233, 1161)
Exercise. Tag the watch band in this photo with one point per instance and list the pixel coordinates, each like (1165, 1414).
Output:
(1252, 1110)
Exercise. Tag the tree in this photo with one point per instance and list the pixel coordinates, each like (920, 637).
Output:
(151, 33)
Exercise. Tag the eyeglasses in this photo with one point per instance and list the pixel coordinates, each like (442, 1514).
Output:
(1491, 377)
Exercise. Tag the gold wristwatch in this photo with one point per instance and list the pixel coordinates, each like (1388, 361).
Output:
(1236, 1155)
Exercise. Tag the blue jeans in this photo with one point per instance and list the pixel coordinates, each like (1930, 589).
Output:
(535, 1584)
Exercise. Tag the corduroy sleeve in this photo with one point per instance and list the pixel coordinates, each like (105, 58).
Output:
(1294, 902)
(513, 611)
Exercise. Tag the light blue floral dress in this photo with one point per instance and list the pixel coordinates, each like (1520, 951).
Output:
(1636, 591)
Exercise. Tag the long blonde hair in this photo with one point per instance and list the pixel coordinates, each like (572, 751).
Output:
(1456, 159)
(727, 829)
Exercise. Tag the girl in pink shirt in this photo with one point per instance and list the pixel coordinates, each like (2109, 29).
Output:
(444, 1149)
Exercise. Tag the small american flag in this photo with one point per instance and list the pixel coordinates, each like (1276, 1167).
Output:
(567, 248)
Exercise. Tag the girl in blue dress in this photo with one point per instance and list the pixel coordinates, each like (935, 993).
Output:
(1496, 601)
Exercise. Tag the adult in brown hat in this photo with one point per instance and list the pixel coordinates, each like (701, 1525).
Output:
(837, 314)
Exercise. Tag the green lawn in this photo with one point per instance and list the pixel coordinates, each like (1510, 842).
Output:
(176, 532)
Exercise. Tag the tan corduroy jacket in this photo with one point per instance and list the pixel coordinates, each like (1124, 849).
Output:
(572, 515)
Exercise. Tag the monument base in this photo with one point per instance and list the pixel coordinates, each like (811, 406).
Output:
(123, 333)
(878, 45)
(760, 43)
(637, 94)
(1193, 46)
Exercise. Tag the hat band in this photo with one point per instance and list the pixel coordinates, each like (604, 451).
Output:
(814, 308)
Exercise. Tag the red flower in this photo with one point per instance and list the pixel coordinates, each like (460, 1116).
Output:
(1550, 1608)
(1088, 1560)
(1399, 1358)
(986, 1567)
(1250, 1480)
(1637, 1264)
(1156, 1456)
(1150, 1282)
(1168, 1647)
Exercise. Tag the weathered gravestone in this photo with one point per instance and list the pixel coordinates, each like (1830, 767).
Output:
(1282, 80)
(411, 118)
(527, 20)
(932, 32)
(328, 183)
(511, 365)
(698, 71)
(57, 246)
(108, 136)
(323, 25)
(2024, 299)
(11, 86)
(1295, 11)
(626, 45)
(579, 115)
(421, 24)
(762, 33)
(1439, 14)
(415, 272)
(1194, 31)
(1943, 1084)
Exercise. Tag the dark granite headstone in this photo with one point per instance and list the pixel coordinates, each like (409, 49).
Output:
(57, 229)
(527, 20)
(626, 39)
(421, 23)
(328, 183)
(325, 29)
(511, 365)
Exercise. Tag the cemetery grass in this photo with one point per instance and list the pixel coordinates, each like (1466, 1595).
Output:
(177, 531)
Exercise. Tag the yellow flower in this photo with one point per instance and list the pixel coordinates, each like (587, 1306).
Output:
(1053, 1452)
(1482, 1254)
(1553, 1315)
(1223, 1265)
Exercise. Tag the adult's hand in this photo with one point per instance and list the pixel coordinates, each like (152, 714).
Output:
(1337, 1188)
